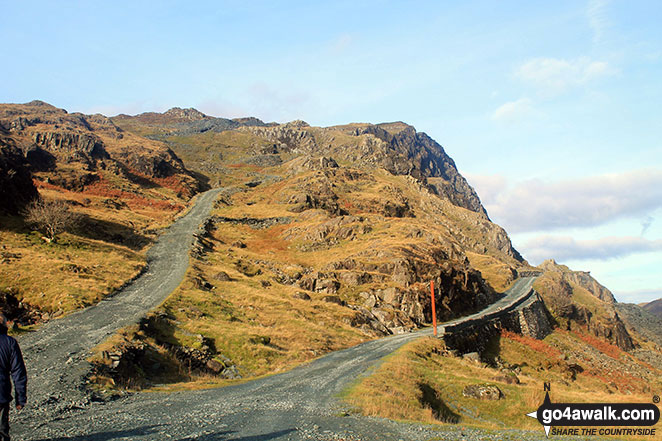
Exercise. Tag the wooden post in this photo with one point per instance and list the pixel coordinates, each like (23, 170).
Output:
(434, 311)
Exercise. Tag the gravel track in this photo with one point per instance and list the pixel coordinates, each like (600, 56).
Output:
(300, 404)
(56, 354)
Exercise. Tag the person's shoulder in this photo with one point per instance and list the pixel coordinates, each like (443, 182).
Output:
(8, 340)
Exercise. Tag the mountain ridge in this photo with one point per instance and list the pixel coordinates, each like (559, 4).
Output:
(343, 225)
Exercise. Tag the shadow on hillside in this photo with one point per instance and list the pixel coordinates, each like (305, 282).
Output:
(492, 350)
(15, 224)
(204, 180)
(430, 398)
(109, 231)
(154, 430)
(143, 181)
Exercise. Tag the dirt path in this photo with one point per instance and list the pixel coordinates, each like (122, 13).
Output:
(55, 355)
(296, 405)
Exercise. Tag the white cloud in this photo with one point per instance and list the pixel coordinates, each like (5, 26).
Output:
(565, 248)
(646, 224)
(638, 296)
(554, 75)
(597, 18)
(488, 186)
(536, 205)
(513, 110)
(341, 43)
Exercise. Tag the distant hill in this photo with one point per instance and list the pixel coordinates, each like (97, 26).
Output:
(654, 307)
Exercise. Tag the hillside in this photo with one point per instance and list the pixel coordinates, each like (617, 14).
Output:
(322, 238)
(341, 228)
(654, 307)
(122, 189)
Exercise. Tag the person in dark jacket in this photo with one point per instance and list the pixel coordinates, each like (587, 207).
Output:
(11, 364)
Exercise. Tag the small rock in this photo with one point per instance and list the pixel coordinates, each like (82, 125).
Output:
(301, 295)
(507, 378)
(223, 277)
(472, 356)
(333, 299)
(482, 392)
(215, 366)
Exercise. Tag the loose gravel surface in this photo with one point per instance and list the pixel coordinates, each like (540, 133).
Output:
(56, 354)
(301, 404)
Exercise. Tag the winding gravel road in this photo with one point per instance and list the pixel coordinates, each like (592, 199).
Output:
(296, 405)
(55, 355)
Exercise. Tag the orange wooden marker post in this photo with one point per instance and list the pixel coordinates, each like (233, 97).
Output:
(434, 312)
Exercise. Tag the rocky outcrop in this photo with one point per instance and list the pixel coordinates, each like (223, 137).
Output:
(158, 164)
(395, 147)
(558, 284)
(68, 149)
(15, 310)
(482, 392)
(189, 114)
(71, 146)
(16, 186)
(584, 279)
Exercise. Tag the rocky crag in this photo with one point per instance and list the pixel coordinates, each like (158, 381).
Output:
(73, 151)
(577, 300)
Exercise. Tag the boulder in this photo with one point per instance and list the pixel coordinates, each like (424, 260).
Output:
(507, 377)
(301, 295)
(482, 392)
(472, 356)
(222, 276)
(333, 299)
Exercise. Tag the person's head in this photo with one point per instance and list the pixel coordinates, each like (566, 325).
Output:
(3, 323)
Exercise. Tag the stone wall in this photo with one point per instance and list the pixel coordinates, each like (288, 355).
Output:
(528, 317)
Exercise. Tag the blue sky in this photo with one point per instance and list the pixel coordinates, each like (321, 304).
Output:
(551, 109)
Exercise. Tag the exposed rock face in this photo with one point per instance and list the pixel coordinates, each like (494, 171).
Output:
(73, 149)
(189, 114)
(405, 304)
(396, 147)
(558, 285)
(16, 186)
(583, 279)
(646, 324)
(534, 320)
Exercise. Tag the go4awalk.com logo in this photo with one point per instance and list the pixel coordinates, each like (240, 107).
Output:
(592, 419)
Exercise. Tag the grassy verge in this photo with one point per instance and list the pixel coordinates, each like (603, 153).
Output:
(420, 382)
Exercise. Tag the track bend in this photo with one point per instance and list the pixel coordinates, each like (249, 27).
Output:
(296, 405)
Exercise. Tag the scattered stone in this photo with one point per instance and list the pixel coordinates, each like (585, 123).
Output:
(301, 295)
(222, 276)
(508, 378)
(238, 244)
(482, 392)
(472, 356)
(333, 299)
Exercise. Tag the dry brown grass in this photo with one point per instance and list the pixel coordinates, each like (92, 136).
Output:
(83, 266)
(496, 273)
(390, 391)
